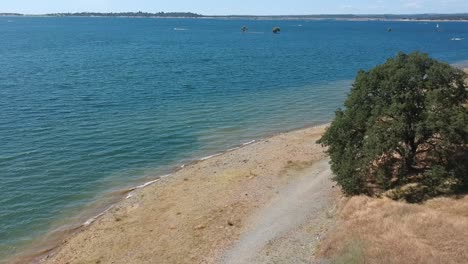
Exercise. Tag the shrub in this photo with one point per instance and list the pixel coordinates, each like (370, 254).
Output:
(404, 122)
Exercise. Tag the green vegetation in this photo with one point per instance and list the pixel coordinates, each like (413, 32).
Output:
(127, 14)
(276, 30)
(413, 17)
(405, 123)
(10, 14)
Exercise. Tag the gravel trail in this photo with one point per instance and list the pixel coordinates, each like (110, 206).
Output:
(289, 228)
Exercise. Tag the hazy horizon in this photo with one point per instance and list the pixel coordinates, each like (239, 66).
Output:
(257, 15)
(242, 7)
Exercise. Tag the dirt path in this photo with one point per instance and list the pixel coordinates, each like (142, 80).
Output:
(263, 203)
(289, 228)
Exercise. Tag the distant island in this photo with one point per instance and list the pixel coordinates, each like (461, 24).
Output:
(127, 14)
(11, 14)
(119, 14)
(384, 17)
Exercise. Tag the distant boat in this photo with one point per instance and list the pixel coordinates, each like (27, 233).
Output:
(437, 26)
(180, 29)
(457, 39)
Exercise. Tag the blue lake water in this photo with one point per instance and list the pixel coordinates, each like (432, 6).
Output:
(90, 106)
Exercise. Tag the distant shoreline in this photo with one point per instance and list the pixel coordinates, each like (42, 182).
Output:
(399, 18)
(246, 18)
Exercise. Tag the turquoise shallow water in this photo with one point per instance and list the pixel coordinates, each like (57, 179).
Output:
(90, 106)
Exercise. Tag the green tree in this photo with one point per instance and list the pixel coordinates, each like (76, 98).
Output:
(404, 122)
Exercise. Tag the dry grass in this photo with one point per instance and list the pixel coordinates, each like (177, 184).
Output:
(371, 230)
(466, 71)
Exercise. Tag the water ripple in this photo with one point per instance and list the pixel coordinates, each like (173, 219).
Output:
(88, 106)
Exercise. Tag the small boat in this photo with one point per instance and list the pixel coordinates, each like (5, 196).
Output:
(180, 29)
(457, 39)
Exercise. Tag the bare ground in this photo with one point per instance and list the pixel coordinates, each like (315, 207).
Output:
(289, 228)
(272, 195)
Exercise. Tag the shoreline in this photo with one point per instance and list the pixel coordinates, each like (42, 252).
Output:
(37, 254)
(261, 18)
(130, 192)
(127, 193)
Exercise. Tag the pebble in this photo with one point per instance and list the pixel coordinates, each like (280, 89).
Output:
(198, 227)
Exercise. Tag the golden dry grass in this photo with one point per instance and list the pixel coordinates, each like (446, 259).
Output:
(466, 71)
(371, 230)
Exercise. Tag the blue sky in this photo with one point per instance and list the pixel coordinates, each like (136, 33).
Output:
(225, 7)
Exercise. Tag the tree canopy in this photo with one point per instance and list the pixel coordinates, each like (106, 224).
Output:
(404, 122)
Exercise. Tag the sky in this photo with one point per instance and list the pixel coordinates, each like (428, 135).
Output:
(239, 7)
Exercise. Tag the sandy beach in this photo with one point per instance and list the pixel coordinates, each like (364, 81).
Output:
(266, 202)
